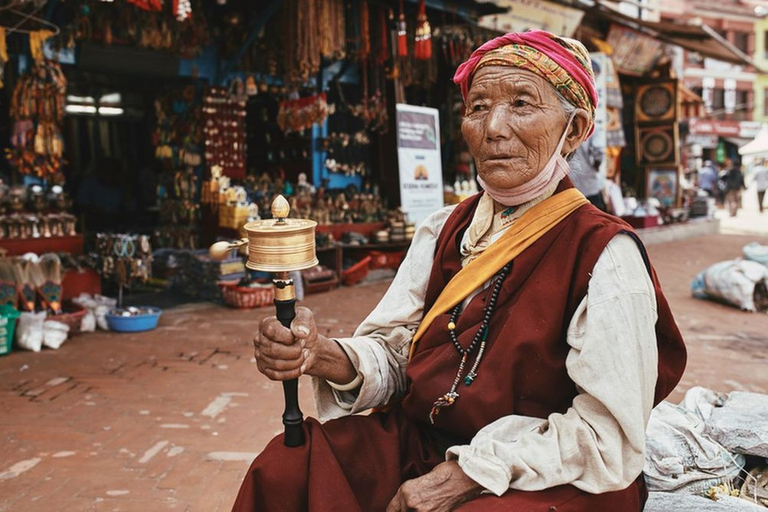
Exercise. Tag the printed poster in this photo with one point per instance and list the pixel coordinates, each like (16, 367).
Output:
(421, 170)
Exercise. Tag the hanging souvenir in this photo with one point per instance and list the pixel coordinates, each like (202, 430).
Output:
(423, 47)
(148, 5)
(402, 34)
(37, 110)
(300, 114)
(182, 9)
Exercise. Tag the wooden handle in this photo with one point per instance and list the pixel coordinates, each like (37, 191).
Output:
(292, 416)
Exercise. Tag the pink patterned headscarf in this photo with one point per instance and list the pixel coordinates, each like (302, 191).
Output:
(561, 61)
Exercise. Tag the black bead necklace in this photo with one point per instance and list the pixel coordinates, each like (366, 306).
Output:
(480, 338)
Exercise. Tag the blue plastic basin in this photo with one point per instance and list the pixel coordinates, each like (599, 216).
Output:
(137, 323)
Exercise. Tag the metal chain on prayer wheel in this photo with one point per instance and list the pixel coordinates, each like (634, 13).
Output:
(280, 246)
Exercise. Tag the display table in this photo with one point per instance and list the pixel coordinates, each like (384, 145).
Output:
(649, 221)
(69, 244)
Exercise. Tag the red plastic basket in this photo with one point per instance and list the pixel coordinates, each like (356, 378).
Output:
(72, 316)
(246, 297)
(378, 259)
(356, 272)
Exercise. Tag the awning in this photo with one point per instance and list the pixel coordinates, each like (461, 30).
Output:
(759, 146)
(693, 36)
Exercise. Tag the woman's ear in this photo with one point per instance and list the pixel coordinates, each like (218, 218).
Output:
(578, 132)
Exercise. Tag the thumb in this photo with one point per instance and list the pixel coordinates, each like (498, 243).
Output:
(303, 323)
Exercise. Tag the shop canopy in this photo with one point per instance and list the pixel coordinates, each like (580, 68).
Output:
(759, 146)
(692, 35)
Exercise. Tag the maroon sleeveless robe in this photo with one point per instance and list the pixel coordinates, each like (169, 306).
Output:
(359, 462)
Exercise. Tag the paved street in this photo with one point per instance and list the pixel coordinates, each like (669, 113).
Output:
(170, 420)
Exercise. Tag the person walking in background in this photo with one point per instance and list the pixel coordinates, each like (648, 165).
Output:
(734, 184)
(707, 178)
(761, 180)
(585, 169)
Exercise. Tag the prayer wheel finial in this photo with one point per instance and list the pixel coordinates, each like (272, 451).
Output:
(280, 208)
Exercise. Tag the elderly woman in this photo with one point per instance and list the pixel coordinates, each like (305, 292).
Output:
(520, 362)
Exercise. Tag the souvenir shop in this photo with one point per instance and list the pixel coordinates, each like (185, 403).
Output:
(646, 113)
(138, 132)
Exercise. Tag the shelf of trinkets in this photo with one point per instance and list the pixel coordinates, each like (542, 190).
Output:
(20, 226)
(224, 116)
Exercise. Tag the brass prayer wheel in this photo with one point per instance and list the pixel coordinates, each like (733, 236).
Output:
(278, 244)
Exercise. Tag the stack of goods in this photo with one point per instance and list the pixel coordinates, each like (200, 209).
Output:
(37, 110)
(224, 129)
(195, 273)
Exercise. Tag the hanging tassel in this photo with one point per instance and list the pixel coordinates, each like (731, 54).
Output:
(402, 34)
(423, 47)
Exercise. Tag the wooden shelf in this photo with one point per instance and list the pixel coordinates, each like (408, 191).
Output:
(17, 247)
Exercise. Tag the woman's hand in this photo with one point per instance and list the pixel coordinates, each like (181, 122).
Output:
(444, 488)
(284, 354)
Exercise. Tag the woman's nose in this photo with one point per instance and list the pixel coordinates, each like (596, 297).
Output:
(497, 123)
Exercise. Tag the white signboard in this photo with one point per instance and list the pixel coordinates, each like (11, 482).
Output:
(600, 67)
(529, 14)
(418, 151)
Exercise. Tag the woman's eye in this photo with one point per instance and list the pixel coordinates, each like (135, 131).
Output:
(478, 107)
(521, 103)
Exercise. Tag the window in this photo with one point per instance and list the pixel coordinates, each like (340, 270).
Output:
(741, 41)
(742, 100)
(718, 99)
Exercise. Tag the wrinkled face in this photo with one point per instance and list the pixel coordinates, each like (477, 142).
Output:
(513, 123)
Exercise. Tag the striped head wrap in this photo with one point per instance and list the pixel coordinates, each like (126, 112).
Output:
(561, 61)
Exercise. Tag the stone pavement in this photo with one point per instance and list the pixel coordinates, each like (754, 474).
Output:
(169, 420)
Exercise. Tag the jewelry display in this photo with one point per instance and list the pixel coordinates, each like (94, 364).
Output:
(224, 113)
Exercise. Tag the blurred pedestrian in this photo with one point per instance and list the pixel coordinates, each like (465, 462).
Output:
(734, 184)
(761, 180)
(707, 177)
(585, 170)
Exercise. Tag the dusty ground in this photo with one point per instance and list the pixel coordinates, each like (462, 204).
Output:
(170, 420)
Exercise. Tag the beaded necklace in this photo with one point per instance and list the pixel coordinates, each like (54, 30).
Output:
(480, 338)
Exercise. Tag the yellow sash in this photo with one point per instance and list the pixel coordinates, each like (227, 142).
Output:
(531, 226)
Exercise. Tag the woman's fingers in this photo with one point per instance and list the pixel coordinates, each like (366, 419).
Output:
(304, 323)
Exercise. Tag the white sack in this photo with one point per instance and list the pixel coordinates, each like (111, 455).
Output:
(29, 331)
(54, 334)
(680, 456)
(731, 281)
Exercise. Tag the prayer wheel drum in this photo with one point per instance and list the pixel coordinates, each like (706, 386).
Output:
(276, 245)
(281, 245)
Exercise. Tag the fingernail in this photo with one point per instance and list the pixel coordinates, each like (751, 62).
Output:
(303, 368)
(302, 342)
(303, 330)
(306, 353)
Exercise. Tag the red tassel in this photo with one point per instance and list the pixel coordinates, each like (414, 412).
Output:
(402, 34)
(423, 46)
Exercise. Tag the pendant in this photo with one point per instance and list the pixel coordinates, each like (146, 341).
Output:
(446, 400)
(470, 378)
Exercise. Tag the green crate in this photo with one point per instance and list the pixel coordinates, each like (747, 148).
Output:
(8, 317)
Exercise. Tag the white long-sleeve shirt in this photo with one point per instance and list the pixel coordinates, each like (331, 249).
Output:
(598, 445)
